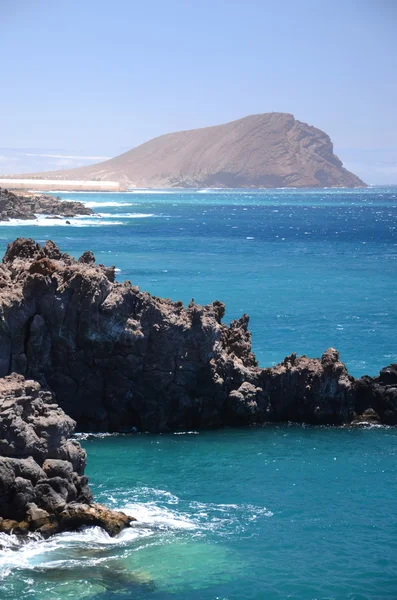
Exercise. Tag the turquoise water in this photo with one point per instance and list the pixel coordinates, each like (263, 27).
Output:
(265, 514)
(252, 514)
(313, 269)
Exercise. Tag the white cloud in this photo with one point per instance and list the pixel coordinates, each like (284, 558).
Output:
(29, 160)
(66, 156)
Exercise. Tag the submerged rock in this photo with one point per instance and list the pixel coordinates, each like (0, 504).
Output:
(42, 482)
(119, 359)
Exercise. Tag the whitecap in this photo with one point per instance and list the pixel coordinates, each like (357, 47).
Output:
(85, 435)
(126, 215)
(43, 221)
(150, 191)
(154, 517)
(98, 203)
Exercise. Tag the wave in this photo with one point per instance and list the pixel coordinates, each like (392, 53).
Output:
(87, 435)
(161, 510)
(126, 215)
(97, 203)
(43, 221)
(156, 518)
(162, 518)
(75, 192)
(65, 550)
(211, 191)
(150, 191)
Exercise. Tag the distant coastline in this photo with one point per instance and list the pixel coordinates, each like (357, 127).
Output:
(59, 185)
(54, 186)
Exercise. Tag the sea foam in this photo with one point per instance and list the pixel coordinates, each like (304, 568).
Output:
(106, 203)
(126, 215)
(43, 221)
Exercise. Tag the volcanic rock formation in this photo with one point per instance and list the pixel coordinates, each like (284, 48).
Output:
(119, 359)
(28, 206)
(42, 482)
(265, 150)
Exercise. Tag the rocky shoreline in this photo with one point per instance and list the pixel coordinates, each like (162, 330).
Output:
(27, 206)
(117, 359)
(42, 484)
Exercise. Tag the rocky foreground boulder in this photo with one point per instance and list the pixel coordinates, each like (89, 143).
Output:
(119, 359)
(28, 206)
(42, 482)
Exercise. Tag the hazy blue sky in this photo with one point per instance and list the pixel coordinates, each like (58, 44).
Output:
(96, 77)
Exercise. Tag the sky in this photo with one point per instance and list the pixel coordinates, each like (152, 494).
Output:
(85, 80)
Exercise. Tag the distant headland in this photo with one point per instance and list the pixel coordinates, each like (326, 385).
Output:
(260, 151)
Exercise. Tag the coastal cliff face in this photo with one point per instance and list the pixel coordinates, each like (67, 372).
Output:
(42, 482)
(119, 359)
(266, 150)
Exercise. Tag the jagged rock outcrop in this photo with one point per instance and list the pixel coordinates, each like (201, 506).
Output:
(379, 394)
(266, 150)
(27, 206)
(119, 359)
(42, 482)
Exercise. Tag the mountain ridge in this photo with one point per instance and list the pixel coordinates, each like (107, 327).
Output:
(261, 150)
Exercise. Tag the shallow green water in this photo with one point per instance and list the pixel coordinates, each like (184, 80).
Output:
(269, 513)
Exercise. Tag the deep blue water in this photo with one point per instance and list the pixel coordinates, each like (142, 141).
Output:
(267, 513)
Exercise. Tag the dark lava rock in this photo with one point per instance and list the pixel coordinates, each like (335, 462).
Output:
(27, 205)
(42, 485)
(119, 359)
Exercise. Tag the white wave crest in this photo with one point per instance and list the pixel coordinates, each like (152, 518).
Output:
(126, 215)
(155, 518)
(150, 191)
(43, 221)
(99, 203)
(160, 515)
(87, 435)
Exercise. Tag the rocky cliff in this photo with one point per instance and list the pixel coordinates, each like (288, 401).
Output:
(119, 359)
(265, 150)
(42, 482)
(28, 206)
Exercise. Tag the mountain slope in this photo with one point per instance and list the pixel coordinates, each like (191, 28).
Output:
(266, 150)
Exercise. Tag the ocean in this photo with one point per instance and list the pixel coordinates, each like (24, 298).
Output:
(258, 513)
